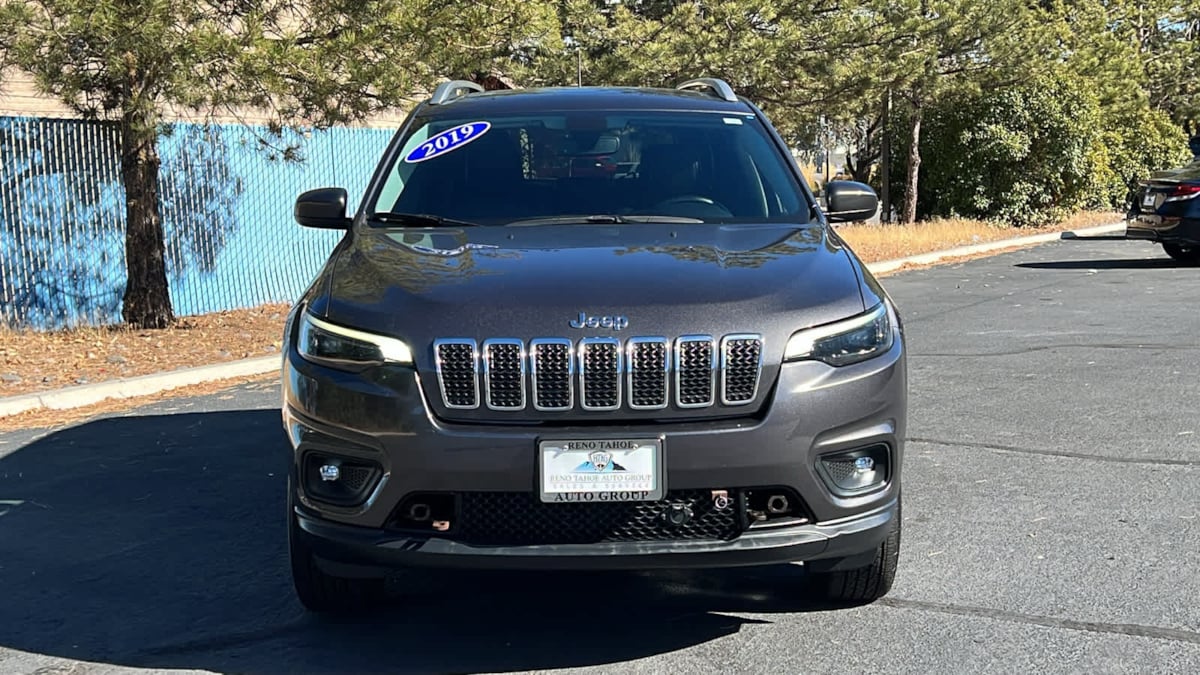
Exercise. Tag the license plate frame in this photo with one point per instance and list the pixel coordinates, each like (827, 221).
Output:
(631, 469)
(1149, 199)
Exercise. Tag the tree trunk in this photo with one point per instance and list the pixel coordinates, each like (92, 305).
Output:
(914, 167)
(147, 300)
(885, 160)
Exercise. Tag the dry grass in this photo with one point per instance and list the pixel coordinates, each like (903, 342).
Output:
(948, 261)
(876, 243)
(33, 361)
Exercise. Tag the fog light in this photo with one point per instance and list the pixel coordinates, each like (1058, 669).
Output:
(342, 481)
(853, 472)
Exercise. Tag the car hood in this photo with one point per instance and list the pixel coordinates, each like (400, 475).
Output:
(419, 284)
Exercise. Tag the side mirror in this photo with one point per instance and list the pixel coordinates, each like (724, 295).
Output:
(848, 201)
(324, 208)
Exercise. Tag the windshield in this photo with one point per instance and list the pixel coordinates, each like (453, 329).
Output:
(597, 167)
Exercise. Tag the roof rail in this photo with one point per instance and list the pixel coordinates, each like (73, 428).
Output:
(448, 91)
(719, 87)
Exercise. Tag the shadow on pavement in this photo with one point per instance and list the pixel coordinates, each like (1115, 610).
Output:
(1095, 237)
(1107, 264)
(159, 542)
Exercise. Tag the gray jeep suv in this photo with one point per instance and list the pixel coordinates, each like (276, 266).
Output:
(591, 328)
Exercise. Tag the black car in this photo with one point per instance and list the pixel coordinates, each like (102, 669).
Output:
(591, 328)
(1166, 209)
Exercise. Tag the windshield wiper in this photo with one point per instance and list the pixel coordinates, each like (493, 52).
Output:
(602, 219)
(417, 219)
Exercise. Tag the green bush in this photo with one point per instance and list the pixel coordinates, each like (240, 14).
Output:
(1034, 152)
(1132, 146)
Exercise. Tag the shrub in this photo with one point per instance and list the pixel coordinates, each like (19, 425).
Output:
(1035, 152)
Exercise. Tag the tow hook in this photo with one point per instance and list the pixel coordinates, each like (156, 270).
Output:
(720, 499)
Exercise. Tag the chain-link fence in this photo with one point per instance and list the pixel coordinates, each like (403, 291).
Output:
(226, 206)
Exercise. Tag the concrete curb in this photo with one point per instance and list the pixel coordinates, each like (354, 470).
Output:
(87, 394)
(938, 256)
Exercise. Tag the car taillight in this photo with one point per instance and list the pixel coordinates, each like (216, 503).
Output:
(1182, 192)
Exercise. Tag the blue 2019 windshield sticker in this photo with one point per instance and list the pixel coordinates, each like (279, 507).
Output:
(447, 141)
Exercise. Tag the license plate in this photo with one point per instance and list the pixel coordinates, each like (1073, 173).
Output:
(601, 470)
(1148, 199)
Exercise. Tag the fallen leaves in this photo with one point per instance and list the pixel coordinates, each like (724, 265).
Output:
(31, 361)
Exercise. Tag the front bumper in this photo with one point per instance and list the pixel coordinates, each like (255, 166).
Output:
(354, 551)
(382, 417)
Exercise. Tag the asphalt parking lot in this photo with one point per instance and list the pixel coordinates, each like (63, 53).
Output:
(1052, 520)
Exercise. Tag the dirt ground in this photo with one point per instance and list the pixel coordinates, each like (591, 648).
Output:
(32, 361)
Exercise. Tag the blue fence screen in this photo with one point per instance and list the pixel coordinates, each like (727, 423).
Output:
(226, 203)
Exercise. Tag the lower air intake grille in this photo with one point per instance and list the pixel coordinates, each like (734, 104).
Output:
(520, 519)
(355, 478)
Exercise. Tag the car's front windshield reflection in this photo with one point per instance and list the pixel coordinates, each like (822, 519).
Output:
(623, 167)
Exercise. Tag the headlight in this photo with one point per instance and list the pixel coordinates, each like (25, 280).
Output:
(325, 343)
(844, 342)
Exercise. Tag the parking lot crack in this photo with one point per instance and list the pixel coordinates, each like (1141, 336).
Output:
(1132, 630)
(1156, 461)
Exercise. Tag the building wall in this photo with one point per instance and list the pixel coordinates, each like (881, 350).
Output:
(19, 97)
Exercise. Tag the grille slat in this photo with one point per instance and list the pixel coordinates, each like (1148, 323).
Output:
(600, 373)
(504, 363)
(695, 371)
(521, 519)
(607, 373)
(648, 366)
(552, 367)
(456, 368)
(740, 368)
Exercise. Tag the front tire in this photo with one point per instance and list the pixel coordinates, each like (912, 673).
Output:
(1188, 254)
(864, 584)
(320, 591)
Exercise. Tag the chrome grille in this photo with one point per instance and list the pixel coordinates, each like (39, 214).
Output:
(599, 374)
(504, 374)
(695, 371)
(456, 366)
(552, 367)
(741, 364)
(648, 365)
